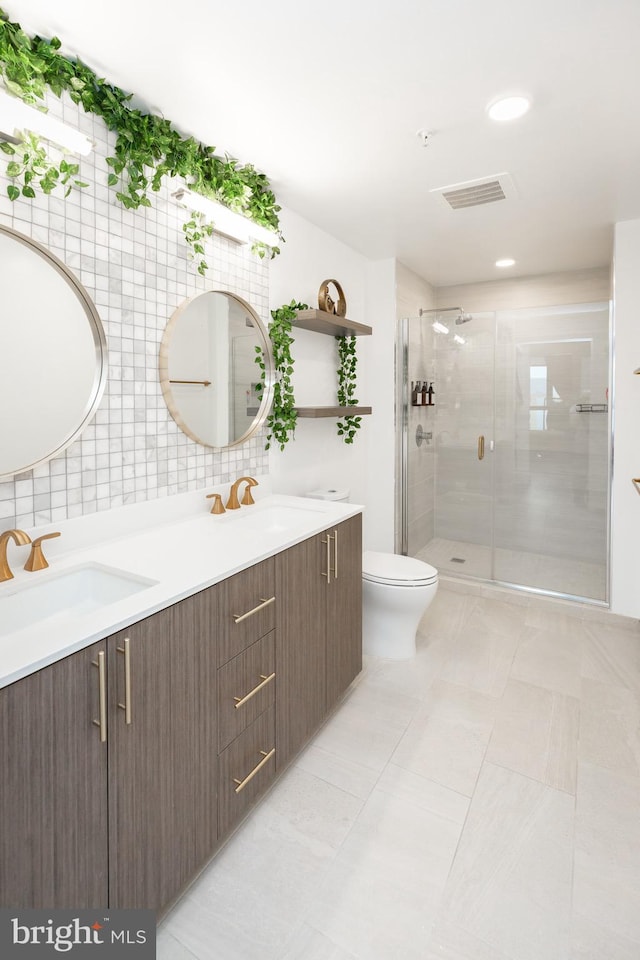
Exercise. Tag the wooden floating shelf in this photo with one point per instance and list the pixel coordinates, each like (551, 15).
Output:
(315, 412)
(319, 321)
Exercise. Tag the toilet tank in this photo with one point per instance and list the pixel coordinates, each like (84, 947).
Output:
(330, 493)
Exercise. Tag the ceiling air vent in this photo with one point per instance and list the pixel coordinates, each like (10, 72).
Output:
(475, 193)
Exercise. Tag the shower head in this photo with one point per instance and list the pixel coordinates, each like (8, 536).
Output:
(463, 318)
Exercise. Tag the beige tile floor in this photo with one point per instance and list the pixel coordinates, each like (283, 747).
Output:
(481, 802)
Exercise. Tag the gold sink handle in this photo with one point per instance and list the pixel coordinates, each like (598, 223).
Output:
(37, 559)
(218, 506)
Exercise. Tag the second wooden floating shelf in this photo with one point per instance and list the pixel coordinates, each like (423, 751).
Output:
(315, 412)
(322, 322)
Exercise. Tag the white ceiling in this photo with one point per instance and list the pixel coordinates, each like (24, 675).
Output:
(327, 100)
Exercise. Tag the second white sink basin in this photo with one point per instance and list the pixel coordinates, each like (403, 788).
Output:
(72, 592)
(278, 518)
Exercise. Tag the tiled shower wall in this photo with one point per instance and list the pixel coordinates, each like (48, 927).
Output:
(136, 268)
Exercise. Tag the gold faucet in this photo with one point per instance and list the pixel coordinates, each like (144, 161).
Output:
(233, 503)
(19, 537)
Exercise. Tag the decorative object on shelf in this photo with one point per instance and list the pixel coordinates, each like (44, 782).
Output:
(326, 302)
(281, 422)
(148, 148)
(348, 361)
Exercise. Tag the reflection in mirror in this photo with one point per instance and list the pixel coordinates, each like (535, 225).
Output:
(52, 355)
(209, 369)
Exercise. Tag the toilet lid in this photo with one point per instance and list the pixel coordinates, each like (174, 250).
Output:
(392, 568)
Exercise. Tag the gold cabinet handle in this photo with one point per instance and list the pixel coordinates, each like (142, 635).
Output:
(240, 701)
(241, 784)
(100, 663)
(126, 706)
(481, 447)
(328, 573)
(239, 617)
(335, 554)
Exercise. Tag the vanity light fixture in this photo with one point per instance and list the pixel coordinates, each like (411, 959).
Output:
(439, 327)
(226, 222)
(17, 116)
(506, 262)
(508, 108)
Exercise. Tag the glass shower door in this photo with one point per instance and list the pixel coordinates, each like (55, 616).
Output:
(552, 443)
(464, 442)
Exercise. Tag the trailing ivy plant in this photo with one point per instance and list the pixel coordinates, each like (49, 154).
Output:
(347, 426)
(148, 149)
(196, 230)
(30, 165)
(281, 422)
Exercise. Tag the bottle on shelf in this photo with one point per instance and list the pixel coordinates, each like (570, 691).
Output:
(430, 393)
(424, 393)
(414, 393)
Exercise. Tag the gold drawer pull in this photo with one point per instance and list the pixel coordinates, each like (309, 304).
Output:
(480, 447)
(126, 706)
(100, 663)
(239, 617)
(265, 759)
(328, 573)
(240, 701)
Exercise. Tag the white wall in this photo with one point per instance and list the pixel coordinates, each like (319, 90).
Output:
(317, 457)
(625, 528)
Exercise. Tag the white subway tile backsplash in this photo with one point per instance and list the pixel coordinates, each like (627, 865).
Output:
(136, 269)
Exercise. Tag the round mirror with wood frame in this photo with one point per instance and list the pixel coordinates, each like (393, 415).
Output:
(211, 358)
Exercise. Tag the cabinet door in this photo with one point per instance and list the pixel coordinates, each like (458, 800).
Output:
(344, 608)
(300, 645)
(162, 790)
(53, 788)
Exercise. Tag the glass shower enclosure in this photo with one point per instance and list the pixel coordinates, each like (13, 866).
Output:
(504, 477)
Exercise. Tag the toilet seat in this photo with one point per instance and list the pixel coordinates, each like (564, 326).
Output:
(396, 570)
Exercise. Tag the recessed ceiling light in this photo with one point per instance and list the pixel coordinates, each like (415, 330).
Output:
(507, 262)
(508, 108)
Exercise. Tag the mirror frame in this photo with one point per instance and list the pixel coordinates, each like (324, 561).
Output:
(267, 393)
(99, 339)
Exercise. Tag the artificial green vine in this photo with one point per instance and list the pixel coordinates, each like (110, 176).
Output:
(195, 230)
(30, 164)
(147, 150)
(347, 426)
(281, 422)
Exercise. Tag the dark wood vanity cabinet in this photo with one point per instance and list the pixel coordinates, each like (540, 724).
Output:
(53, 788)
(319, 635)
(162, 744)
(125, 765)
(118, 810)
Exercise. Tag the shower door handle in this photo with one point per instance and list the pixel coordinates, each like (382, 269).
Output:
(481, 447)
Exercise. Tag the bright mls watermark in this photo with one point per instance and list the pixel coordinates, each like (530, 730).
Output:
(79, 934)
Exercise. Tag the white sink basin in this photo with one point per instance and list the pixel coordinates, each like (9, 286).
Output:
(278, 518)
(74, 592)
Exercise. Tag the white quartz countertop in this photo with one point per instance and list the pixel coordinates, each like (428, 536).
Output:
(179, 557)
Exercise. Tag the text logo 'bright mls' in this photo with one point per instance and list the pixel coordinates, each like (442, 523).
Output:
(36, 933)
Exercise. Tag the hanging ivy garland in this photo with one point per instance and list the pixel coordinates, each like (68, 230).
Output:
(147, 150)
(281, 422)
(347, 425)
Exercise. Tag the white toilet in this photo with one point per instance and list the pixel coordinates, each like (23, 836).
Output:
(396, 591)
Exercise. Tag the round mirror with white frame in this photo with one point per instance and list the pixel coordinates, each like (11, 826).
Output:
(53, 355)
(211, 358)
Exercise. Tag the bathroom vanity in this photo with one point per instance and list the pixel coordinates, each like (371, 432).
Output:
(134, 739)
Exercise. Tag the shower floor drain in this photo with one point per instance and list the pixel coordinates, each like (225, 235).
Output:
(457, 560)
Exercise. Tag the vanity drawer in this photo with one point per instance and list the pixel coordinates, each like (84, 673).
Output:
(246, 687)
(245, 770)
(247, 609)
